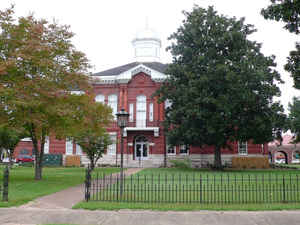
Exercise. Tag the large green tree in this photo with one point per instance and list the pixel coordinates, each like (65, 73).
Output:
(288, 12)
(220, 85)
(294, 119)
(39, 71)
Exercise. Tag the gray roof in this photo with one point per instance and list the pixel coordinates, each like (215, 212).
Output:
(160, 67)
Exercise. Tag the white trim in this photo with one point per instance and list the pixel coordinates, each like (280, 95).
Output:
(154, 129)
(126, 76)
(26, 139)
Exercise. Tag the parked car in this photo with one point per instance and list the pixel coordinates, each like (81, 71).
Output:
(280, 161)
(24, 158)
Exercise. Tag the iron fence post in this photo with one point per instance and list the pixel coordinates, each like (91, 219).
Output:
(5, 184)
(283, 187)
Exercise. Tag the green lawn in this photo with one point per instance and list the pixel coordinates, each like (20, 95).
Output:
(23, 188)
(190, 189)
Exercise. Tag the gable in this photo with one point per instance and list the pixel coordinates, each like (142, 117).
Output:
(127, 75)
(141, 80)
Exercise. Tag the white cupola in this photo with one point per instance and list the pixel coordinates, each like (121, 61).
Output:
(146, 46)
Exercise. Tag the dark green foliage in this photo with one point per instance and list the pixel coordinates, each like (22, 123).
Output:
(9, 139)
(221, 86)
(294, 119)
(286, 11)
(293, 65)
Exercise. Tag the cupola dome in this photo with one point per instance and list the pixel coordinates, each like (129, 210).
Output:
(146, 46)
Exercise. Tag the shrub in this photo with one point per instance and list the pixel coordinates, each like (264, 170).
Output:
(181, 163)
(72, 160)
(250, 162)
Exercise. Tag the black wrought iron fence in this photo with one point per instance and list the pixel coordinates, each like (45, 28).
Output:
(201, 189)
(4, 186)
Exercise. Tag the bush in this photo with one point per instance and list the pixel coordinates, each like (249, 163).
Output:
(250, 162)
(72, 160)
(181, 163)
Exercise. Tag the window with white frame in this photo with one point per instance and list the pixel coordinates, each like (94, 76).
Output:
(69, 146)
(151, 112)
(47, 145)
(113, 103)
(141, 111)
(171, 150)
(131, 112)
(112, 148)
(78, 149)
(243, 148)
(184, 149)
(100, 98)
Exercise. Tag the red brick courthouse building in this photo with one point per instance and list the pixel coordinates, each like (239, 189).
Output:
(130, 87)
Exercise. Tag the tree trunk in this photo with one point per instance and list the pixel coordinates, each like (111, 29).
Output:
(92, 165)
(38, 154)
(218, 161)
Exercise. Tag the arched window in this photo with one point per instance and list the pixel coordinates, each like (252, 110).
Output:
(141, 111)
(113, 103)
(100, 98)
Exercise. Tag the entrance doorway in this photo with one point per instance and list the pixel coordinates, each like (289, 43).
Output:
(141, 148)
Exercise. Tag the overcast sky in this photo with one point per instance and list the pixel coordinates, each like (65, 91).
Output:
(105, 28)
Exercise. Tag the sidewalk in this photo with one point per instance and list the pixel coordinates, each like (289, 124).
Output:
(67, 198)
(56, 209)
(14, 216)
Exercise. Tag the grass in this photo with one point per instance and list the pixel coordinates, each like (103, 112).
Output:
(23, 188)
(293, 165)
(183, 207)
(227, 184)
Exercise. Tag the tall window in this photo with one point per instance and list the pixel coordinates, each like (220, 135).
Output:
(151, 112)
(46, 146)
(131, 112)
(78, 150)
(141, 111)
(100, 98)
(69, 146)
(113, 103)
(242, 148)
(111, 149)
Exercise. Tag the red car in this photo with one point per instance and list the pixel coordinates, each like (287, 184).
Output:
(24, 158)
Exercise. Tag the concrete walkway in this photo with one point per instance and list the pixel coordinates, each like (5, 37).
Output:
(67, 198)
(14, 216)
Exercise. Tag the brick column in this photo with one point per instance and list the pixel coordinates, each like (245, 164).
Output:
(120, 100)
(125, 99)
